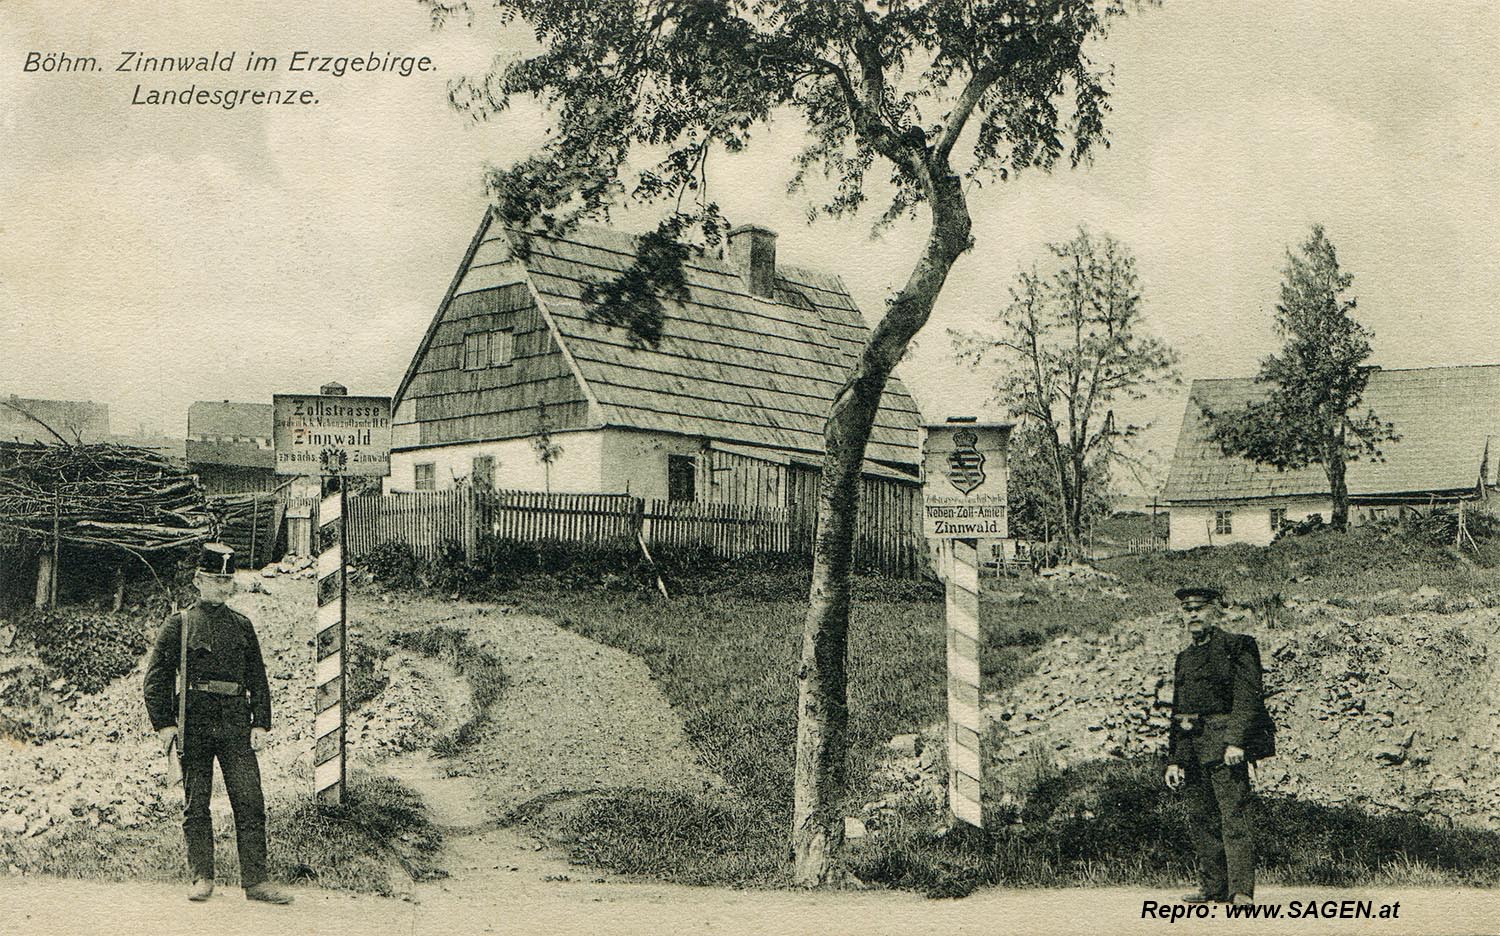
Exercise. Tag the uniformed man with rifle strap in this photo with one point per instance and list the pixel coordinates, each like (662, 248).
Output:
(224, 715)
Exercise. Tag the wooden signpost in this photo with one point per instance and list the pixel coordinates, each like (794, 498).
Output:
(338, 437)
(963, 501)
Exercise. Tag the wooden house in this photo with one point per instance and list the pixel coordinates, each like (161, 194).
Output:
(229, 447)
(515, 386)
(1448, 420)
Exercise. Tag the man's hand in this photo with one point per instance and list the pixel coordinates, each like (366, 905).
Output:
(1175, 776)
(258, 739)
(1234, 755)
(167, 736)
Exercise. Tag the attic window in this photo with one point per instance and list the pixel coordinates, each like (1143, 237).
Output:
(484, 349)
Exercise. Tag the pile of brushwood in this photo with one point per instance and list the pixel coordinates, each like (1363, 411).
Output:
(101, 494)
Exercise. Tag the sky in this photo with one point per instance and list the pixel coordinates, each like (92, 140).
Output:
(153, 256)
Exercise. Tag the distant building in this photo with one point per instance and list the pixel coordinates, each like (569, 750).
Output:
(1448, 419)
(229, 447)
(28, 420)
(730, 406)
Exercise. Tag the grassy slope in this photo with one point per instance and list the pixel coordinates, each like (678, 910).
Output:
(725, 658)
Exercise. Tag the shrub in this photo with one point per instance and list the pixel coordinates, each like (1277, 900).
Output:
(87, 648)
(394, 565)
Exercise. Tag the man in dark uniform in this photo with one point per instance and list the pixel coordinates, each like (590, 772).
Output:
(1219, 727)
(228, 712)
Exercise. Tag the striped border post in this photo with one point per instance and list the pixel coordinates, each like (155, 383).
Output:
(963, 681)
(328, 725)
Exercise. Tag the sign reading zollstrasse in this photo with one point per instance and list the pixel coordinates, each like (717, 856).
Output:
(332, 435)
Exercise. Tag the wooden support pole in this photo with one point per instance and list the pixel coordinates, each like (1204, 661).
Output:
(254, 522)
(56, 551)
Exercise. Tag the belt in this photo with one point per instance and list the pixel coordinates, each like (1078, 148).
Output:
(1190, 720)
(218, 687)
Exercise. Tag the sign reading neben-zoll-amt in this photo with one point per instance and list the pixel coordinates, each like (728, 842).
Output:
(963, 496)
(332, 435)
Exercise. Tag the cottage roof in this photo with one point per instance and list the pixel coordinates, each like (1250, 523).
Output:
(237, 420)
(1448, 419)
(730, 365)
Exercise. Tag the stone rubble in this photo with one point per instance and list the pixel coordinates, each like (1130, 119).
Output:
(94, 758)
(1395, 713)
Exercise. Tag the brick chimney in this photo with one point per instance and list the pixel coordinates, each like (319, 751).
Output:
(752, 252)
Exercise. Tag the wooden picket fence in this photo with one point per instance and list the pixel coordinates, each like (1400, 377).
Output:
(728, 530)
(426, 520)
(423, 520)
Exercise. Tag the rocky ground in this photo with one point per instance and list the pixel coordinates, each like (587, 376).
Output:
(94, 759)
(1391, 707)
(574, 717)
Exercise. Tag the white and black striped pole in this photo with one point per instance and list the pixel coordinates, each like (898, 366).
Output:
(964, 725)
(963, 501)
(332, 436)
(329, 642)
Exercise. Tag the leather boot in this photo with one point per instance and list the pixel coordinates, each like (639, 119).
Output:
(265, 893)
(201, 890)
(1201, 898)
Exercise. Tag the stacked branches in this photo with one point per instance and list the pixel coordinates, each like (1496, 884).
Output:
(101, 495)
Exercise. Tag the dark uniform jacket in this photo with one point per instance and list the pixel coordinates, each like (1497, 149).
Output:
(1218, 683)
(222, 647)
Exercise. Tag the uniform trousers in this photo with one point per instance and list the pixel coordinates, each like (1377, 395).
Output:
(1221, 823)
(241, 770)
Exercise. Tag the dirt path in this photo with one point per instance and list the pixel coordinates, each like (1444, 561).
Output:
(575, 716)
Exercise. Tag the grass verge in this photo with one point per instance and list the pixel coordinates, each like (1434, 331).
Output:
(1115, 823)
(383, 829)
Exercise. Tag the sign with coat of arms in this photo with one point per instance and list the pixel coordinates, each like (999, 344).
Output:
(963, 496)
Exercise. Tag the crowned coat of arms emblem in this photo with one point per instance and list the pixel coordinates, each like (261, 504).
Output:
(965, 462)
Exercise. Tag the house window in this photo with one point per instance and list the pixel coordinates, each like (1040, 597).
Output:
(483, 472)
(682, 471)
(502, 347)
(476, 350)
(1223, 522)
(425, 477)
(1278, 518)
(488, 348)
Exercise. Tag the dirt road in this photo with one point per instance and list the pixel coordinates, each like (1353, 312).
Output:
(521, 904)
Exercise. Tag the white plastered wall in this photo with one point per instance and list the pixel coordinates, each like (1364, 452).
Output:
(1194, 524)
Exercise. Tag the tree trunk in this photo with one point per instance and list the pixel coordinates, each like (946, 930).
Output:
(822, 675)
(1336, 467)
(45, 572)
(1340, 491)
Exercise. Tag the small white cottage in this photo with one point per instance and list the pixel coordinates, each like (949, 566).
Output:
(1448, 419)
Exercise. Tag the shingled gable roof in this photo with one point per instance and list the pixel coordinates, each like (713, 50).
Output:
(1448, 419)
(730, 366)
